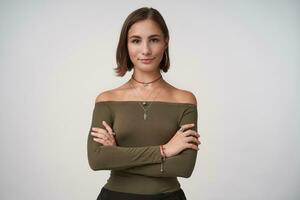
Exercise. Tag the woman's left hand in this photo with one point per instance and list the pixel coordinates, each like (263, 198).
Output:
(104, 136)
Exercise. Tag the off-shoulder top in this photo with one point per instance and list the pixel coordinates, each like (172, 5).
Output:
(135, 162)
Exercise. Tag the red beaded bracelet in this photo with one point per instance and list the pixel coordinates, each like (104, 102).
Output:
(162, 150)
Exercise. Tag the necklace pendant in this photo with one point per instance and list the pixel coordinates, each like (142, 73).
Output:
(145, 116)
(145, 84)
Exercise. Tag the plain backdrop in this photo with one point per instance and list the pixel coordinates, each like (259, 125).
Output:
(240, 59)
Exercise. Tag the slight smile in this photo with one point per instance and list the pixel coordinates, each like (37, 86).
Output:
(146, 61)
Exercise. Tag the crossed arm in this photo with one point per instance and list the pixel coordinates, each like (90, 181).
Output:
(139, 160)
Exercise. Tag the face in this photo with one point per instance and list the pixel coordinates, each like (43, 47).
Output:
(146, 45)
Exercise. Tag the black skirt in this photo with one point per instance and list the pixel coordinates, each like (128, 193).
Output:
(106, 194)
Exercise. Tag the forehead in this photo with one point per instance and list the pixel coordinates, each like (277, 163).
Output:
(144, 28)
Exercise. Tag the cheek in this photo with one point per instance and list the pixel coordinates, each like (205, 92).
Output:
(132, 51)
(159, 49)
(159, 52)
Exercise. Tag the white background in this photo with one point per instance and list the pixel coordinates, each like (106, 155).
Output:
(240, 58)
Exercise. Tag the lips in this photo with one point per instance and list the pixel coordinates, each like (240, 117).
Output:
(146, 59)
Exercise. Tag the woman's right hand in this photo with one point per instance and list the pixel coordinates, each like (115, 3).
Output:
(182, 140)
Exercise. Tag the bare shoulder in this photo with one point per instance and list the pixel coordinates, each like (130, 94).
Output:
(110, 95)
(185, 96)
(103, 96)
(107, 95)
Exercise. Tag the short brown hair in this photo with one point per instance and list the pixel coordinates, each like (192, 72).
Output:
(124, 63)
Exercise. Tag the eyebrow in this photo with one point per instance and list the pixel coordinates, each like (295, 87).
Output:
(151, 36)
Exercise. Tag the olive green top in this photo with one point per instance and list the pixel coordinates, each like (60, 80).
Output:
(135, 162)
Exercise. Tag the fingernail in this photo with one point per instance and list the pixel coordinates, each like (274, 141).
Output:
(103, 121)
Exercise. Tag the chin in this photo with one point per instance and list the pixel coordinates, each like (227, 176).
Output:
(147, 68)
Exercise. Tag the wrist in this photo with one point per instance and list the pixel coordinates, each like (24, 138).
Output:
(163, 151)
(163, 157)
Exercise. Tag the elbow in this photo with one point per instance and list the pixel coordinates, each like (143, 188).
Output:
(96, 159)
(96, 162)
(187, 171)
(94, 168)
(187, 174)
(93, 164)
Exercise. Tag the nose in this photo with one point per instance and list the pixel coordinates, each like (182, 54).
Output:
(146, 49)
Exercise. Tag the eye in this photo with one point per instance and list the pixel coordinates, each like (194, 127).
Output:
(134, 41)
(155, 40)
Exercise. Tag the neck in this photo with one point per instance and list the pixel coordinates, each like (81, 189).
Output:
(146, 77)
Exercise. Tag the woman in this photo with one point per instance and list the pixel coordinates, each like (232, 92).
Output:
(144, 131)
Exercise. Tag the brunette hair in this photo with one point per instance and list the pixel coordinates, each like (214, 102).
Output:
(124, 63)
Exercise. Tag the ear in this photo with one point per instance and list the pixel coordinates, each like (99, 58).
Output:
(167, 43)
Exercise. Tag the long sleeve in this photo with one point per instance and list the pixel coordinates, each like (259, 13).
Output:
(102, 157)
(181, 165)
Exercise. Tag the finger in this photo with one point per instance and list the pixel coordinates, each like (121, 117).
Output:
(181, 129)
(110, 131)
(196, 141)
(95, 129)
(98, 130)
(103, 141)
(186, 126)
(196, 134)
(99, 135)
(102, 131)
(192, 146)
(99, 140)
(104, 135)
(107, 135)
(107, 127)
(193, 139)
(190, 133)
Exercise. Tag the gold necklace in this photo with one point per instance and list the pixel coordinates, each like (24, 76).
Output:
(144, 101)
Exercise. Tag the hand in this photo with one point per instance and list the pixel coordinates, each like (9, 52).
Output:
(104, 136)
(182, 140)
